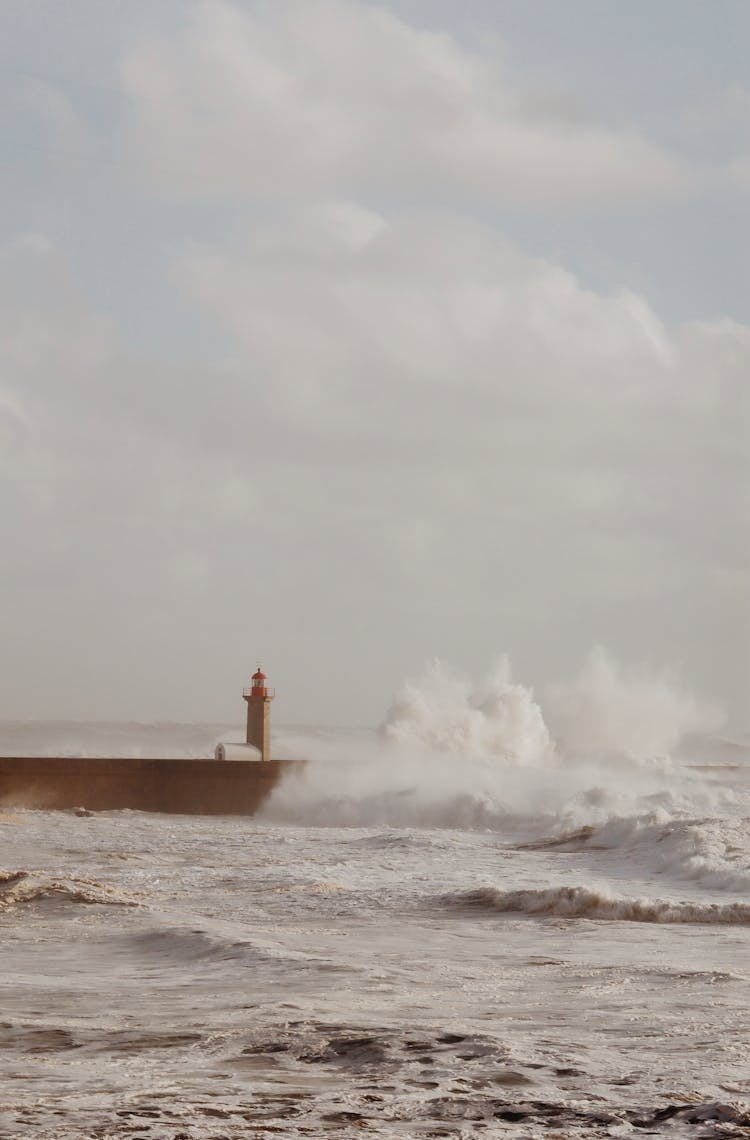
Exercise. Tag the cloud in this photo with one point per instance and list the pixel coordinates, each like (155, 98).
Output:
(422, 440)
(418, 439)
(438, 349)
(417, 422)
(422, 315)
(330, 97)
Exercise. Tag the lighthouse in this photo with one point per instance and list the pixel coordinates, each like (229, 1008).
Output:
(259, 698)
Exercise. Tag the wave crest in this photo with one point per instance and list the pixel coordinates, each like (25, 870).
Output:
(584, 902)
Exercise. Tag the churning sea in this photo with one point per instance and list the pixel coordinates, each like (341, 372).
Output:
(451, 928)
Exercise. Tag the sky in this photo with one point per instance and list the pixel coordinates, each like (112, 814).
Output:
(347, 336)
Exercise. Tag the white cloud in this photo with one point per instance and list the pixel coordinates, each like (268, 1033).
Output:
(425, 439)
(329, 96)
(428, 317)
(440, 360)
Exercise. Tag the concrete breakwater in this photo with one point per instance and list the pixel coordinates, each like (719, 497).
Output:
(187, 787)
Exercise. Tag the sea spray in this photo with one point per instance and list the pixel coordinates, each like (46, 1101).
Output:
(607, 710)
(443, 712)
(454, 754)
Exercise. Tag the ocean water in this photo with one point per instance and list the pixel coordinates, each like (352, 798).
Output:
(492, 916)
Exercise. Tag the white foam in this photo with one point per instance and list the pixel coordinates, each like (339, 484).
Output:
(712, 852)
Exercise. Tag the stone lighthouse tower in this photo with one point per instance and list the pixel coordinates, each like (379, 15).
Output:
(259, 698)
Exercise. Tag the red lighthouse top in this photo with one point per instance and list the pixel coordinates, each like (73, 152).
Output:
(259, 689)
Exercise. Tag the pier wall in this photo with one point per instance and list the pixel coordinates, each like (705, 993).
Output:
(188, 787)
